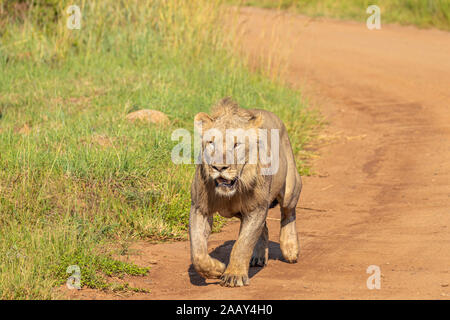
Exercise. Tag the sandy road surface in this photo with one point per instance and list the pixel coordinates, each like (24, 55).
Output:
(382, 193)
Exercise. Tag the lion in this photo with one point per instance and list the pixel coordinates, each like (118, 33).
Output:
(239, 189)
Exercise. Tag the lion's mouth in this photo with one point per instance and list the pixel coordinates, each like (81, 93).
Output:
(221, 182)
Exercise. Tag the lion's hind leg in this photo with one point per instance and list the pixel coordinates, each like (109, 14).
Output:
(288, 235)
(261, 251)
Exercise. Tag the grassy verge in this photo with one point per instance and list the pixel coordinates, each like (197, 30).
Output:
(75, 175)
(422, 13)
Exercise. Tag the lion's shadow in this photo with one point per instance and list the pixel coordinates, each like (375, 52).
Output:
(222, 253)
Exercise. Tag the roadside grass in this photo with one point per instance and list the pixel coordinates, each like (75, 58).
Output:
(76, 177)
(422, 13)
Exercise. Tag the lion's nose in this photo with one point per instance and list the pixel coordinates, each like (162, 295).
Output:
(220, 168)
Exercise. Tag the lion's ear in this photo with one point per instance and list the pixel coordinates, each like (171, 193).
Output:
(257, 121)
(200, 120)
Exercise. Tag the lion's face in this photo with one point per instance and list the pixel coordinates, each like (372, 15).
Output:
(228, 176)
(227, 142)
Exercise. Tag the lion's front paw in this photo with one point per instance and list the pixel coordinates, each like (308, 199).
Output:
(234, 280)
(209, 268)
(211, 274)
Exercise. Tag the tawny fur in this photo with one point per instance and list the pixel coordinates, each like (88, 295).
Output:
(249, 199)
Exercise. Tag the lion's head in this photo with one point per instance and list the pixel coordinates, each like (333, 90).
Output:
(229, 140)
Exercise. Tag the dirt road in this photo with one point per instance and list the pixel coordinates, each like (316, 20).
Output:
(382, 193)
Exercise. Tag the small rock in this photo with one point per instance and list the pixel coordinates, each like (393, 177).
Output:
(147, 115)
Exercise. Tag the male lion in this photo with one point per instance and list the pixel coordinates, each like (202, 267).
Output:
(238, 189)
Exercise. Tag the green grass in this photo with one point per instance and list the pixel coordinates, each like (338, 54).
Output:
(422, 13)
(77, 178)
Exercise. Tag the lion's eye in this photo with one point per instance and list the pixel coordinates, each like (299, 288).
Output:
(237, 144)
